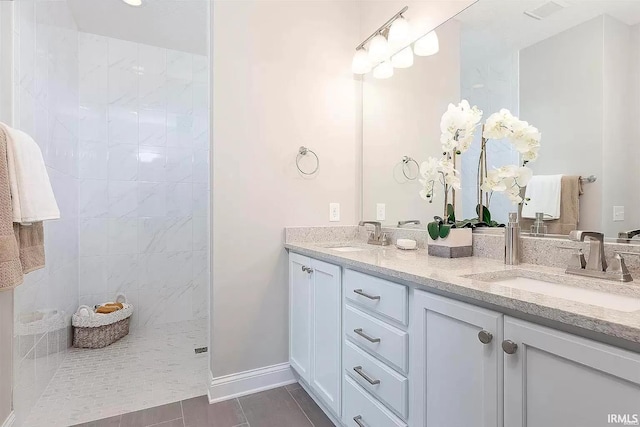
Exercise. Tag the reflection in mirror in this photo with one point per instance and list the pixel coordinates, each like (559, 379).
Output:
(570, 68)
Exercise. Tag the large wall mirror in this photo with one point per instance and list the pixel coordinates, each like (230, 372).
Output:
(571, 68)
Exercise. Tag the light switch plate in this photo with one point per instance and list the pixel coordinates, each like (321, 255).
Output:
(334, 212)
(618, 213)
(381, 212)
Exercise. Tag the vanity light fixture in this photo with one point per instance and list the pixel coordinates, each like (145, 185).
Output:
(427, 45)
(361, 63)
(403, 59)
(384, 70)
(380, 49)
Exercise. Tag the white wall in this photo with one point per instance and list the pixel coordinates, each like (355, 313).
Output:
(45, 106)
(401, 117)
(144, 179)
(561, 93)
(282, 79)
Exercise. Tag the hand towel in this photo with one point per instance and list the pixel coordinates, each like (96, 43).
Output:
(10, 267)
(544, 193)
(569, 208)
(31, 193)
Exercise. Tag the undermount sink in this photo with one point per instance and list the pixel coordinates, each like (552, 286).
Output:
(524, 280)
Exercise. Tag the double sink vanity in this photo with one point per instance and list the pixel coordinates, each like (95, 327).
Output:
(385, 337)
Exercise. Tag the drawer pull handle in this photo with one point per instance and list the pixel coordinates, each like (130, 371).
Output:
(361, 292)
(509, 346)
(365, 336)
(485, 337)
(357, 420)
(370, 380)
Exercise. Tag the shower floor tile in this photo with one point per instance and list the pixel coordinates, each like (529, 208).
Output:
(147, 368)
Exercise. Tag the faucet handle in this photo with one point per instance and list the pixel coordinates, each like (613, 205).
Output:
(618, 266)
(578, 260)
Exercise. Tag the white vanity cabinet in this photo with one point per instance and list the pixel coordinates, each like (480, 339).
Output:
(315, 332)
(456, 363)
(553, 378)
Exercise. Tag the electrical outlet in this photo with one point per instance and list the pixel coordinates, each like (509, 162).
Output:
(381, 211)
(334, 212)
(618, 213)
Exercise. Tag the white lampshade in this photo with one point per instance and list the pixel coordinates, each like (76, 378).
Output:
(403, 59)
(379, 49)
(427, 45)
(383, 70)
(399, 33)
(360, 63)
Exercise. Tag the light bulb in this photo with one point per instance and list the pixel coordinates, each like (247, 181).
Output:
(399, 33)
(427, 45)
(379, 49)
(403, 59)
(384, 70)
(360, 63)
(133, 2)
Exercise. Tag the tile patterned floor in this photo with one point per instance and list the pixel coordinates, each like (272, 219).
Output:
(146, 369)
(288, 406)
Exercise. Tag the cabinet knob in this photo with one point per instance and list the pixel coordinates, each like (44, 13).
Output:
(509, 346)
(307, 269)
(485, 337)
(304, 268)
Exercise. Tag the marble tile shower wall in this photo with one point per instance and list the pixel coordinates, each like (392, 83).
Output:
(45, 105)
(144, 153)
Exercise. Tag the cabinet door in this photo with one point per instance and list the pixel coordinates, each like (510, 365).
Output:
(557, 379)
(456, 380)
(326, 333)
(300, 315)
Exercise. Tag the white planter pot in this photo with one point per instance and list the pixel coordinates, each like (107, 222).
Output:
(458, 244)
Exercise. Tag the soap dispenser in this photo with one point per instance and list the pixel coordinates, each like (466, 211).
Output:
(539, 228)
(512, 240)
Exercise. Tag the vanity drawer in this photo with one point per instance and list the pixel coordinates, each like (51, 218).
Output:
(378, 295)
(379, 338)
(363, 410)
(391, 388)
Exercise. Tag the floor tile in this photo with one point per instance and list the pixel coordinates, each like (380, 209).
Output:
(311, 408)
(273, 408)
(293, 386)
(149, 417)
(173, 423)
(107, 422)
(199, 413)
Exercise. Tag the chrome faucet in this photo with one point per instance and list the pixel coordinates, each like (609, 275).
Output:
(596, 266)
(410, 221)
(377, 237)
(626, 236)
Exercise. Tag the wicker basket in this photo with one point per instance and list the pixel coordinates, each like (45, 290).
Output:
(95, 330)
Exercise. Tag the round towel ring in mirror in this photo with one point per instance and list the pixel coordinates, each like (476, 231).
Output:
(303, 151)
(406, 160)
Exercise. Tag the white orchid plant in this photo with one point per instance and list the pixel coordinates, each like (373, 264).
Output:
(458, 126)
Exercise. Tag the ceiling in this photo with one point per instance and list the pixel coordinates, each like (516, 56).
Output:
(172, 24)
(500, 26)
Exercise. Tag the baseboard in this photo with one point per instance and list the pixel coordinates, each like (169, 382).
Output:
(248, 382)
(10, 420)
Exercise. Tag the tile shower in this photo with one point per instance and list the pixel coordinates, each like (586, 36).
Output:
(124, 130)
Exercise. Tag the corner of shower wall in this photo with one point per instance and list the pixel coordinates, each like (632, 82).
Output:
(45, 105)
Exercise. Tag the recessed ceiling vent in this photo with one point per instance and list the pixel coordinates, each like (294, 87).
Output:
(546, 10)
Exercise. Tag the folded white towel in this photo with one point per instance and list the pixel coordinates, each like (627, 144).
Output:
(544, 192)
(32, 197)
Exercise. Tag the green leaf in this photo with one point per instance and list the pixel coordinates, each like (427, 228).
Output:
(434, 230)
(451, 214)
(486, 215)
(444, 231)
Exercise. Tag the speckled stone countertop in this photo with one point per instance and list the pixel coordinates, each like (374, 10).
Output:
(451, 277)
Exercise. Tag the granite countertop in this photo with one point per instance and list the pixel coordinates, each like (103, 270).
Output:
(450, 277)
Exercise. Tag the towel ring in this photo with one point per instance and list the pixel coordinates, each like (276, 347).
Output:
(303, 151)
(405, 161)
